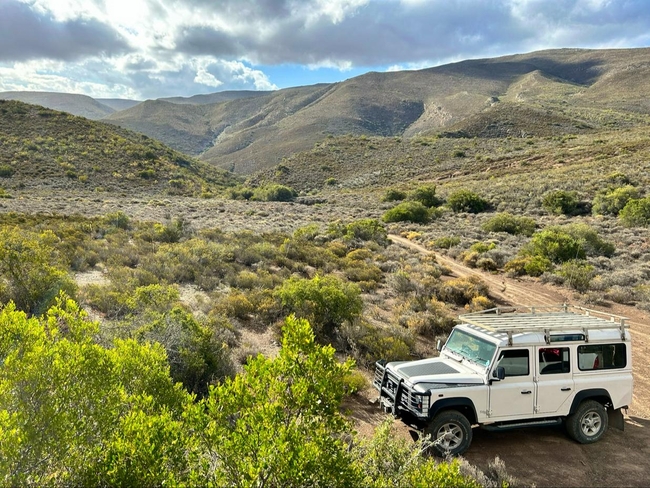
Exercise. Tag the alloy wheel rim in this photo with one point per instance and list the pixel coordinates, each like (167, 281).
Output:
(591, 424)
(449, 436)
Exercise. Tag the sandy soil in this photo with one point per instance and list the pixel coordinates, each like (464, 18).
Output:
(546, 456)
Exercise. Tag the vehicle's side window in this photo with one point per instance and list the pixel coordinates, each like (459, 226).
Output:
(515, 362)
(554, 360)
(601, 356)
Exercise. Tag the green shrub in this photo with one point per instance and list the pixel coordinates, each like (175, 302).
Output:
(555, 245)
(636, 213)
(612, 201)
(383, 346)
(118, 219)
(235, 304)
(560, 202)
(6, 171)
(577, 274)
(482, 247)
(461, 291)
(196, 353)
(506, 222)
(32, 273)
(589, 239)
(147, 174)
(528, 265)
(170, 232)
(618, 178)
(426, 195)
(467, 201)
(393, 195)
(446, 242)
(407, 212)
(274, 193)
(325, 301)
(363, 229)
(241, 193)
(355, 382)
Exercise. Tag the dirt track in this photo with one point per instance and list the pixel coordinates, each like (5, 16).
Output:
(546, 456)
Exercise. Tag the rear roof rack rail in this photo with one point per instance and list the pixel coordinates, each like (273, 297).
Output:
(545, 318)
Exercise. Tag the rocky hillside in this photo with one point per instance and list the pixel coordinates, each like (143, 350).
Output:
(543, 93)
(42, 148)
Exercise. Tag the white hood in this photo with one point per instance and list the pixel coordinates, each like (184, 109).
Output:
(435, 372)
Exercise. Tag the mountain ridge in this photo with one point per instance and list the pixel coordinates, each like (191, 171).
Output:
(562, 91)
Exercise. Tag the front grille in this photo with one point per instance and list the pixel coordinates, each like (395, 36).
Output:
(380, 367)
(416, 403)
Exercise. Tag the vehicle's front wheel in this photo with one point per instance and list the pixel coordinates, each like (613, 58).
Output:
(588, 423)
(451, 433)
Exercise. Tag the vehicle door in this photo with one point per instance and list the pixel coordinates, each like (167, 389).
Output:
(513, 396)
(555, 386)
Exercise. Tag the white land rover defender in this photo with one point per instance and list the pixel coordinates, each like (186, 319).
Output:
(504, 368)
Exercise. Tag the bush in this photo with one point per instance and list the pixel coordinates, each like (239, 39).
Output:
(461, 291)
(118, 219)
(528, 265)
(506, 222)
(31, 272)
(407, 212)
(612, 201)
(554, 244)
(560, 202)
(363, 229)
(577, 274)
(467, 201)
(355, 382)
(236, 304)
(426, 195)
(325, 301)
(274, 193)
(589, 239)
(636, 213)
(446, 242)
(6, 171)
(393, 195)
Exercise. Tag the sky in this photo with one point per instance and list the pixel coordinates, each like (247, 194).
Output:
(145, 49)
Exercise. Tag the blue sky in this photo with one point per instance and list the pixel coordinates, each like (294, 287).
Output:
(157, 48)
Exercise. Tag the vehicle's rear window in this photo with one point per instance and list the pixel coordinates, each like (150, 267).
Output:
(601, 356)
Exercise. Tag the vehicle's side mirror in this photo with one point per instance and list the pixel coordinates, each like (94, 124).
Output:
(439, 345)
(499, 373)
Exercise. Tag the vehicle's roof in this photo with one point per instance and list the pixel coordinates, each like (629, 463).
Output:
(538, 338)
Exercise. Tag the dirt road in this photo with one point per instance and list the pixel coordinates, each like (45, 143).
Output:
(546, 456)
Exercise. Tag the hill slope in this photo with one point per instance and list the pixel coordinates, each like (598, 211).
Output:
(75, 104)
(216, 97)
(565, 91)
(41, 148)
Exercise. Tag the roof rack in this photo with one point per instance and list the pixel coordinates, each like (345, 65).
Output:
(513, 320)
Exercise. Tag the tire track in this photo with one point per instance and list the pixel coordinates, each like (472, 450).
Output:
(505, 289)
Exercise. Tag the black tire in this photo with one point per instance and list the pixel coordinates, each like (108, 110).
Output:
(450, 432)
(588, 423)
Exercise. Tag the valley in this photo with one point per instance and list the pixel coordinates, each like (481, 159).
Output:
(416, 195)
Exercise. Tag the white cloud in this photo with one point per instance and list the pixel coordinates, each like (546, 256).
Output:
(208, 79)
(162, 47)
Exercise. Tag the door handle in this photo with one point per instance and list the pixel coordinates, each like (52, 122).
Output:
(565, 389)
(526, 392)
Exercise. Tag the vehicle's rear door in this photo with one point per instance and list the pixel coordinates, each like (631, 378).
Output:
(554, 380)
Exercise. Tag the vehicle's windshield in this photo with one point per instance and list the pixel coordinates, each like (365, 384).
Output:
(471, 347)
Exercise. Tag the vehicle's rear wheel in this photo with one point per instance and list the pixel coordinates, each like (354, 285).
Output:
(588, 423)
(450, 432)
